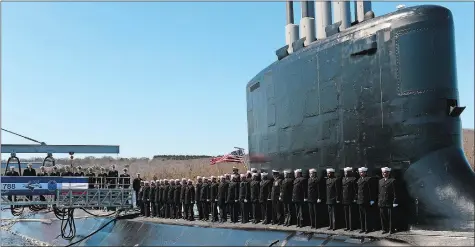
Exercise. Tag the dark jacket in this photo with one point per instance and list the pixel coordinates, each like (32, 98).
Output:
(223, 192)
(153, 192)
(158, 193)
(136, 184)
(276, 185)
(333, 190)
(124, 180)
(364, 190)
(298, 190)
(146, 194)
(213, 192)
(171, 194)
(182, 193)
(204, 192)
(28, 172)
(177, 195)
(244, 191)
(198, 192)
(79, 174)
(313, 191)
(42, 174)
(166, 187)
(348, 190)
(265, 190)
(387, 192)
(112, 177)
(286, 190)
(255, 191)
(189, 194)
(233, 192)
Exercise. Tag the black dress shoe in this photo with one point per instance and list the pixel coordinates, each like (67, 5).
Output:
(345, 230)
(366, 232)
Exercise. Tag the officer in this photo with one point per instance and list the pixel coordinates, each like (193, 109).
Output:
(135, 186)
(222, 197)
(146, 198)
(91, 178)
(184, 183)
(298, 195)
(29, 171)
(189, 201)
(166, 205)
(79, 172)
(244, 198)
(12, 173)
(113, 176)
(55, 172)
(152, 192)
(313, 197)
(386, 200)
(348, 186)
(264, 198)
(277, 208)
(171, 198)
(140, 200)
(333, 196)
(204, 198)
(42, 172)
(363, 198)
(103, 179)
(286, 196)
(176, 200)
(213, 197)
(124, 180)
(232, 199)
(199, 205)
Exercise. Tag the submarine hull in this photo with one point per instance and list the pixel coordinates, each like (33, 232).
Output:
(381, 93)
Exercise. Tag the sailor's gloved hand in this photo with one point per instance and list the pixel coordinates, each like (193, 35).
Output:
(305, 199)
(318, 201)
(207, 200)
(337, 201)
(215, 200)
(269, 199)
(371, 203)
(280, 198)
(394, 205)
(235, 200)
(354, 201)
(245, 200)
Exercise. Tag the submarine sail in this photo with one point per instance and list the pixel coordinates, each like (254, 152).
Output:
(381, 92)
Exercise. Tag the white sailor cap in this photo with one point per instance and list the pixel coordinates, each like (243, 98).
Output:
(298, 171)
(12, 167)
(189, 180)
(255, 175)
(264, 174)
(212, 177)
(253, 170)
(275, 171)
(146, 182)
(177, 180)
(226, 175)
(235, 168)
(248, 172)
(158, 181)
(312, 170)
(330, 170)
(243, 175)
(138, 173)
(287, 172)
(362, 169)
(385, 169)
(153, 181)
(165, 180)
(198, 177)
(29, 164)
(42, 167)
(347, 169)
(205, 178)
(183, 179)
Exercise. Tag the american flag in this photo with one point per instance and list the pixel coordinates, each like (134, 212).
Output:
(236, 156)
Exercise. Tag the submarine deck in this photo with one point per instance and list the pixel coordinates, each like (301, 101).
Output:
(413, 237)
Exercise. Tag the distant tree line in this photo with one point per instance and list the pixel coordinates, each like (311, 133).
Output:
(180, 157)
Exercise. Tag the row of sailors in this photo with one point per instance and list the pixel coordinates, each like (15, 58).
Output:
(104, 179)
(259, 197)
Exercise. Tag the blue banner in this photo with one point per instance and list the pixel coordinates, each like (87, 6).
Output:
(27, 192)
(12, 180)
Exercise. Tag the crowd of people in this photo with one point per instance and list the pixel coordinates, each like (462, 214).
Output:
(287, 198)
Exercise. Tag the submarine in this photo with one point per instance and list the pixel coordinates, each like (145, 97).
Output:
(379, 91)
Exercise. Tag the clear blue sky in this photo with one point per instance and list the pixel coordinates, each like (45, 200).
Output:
(154, 78)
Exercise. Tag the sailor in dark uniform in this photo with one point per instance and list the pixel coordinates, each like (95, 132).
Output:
(176, 200)
(112, 177)
(158, 197)
(152, 192)
(189, 201)
(171, 198)
(204, 197)
(386, 199)
(146, 198)
(286, 196)
(140, 196)
(29, 171)
(166, 205)
(213, 197)
(12, 173)
(277, 208)
(244, 198)
(79, 172)
(363, 198)
(255, 192)
(55, 172)
(313, 197)
(348, 186)
(43, 173)
(264, 198)
(103, 179)
(124, 180)
(67, 172)
(199, 206)
(333, 196)
(184, 183)
(232, 199)
(135, 186)
(91, 178)
(222, 197)
(298, 195)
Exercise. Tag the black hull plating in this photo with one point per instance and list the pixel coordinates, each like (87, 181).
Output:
(377, 94)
